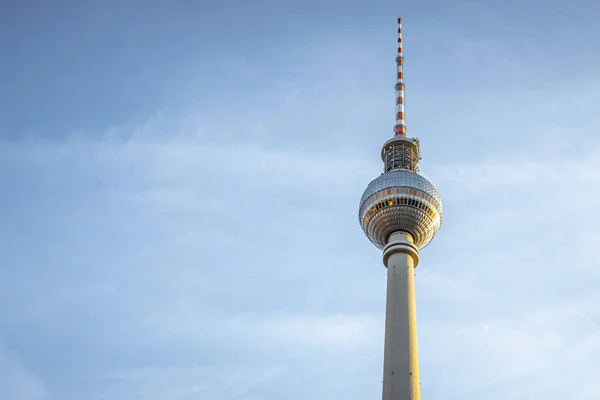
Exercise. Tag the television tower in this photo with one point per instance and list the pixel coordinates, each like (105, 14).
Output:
(400, 212)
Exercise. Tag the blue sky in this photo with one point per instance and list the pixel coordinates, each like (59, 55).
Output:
(180, 185)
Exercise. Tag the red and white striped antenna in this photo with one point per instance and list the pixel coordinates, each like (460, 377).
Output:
(399, 126)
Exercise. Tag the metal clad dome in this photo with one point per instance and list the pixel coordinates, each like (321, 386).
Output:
(400, 201)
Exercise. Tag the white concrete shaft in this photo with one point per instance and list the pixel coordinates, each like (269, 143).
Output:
(401, 364)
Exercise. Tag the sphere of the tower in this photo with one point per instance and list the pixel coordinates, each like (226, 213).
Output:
(400, 201)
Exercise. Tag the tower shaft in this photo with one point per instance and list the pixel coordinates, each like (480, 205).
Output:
(401, 365)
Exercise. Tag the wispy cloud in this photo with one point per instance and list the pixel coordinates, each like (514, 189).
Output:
(16, 380)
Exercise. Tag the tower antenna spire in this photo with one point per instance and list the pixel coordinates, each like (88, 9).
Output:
(399, 126)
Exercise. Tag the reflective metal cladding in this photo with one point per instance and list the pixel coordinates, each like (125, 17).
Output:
(400, 201)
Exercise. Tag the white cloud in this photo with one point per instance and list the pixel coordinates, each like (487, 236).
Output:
(185, 160)
(177, 383)
(288, 333)
(540, 353)
(329, 331)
